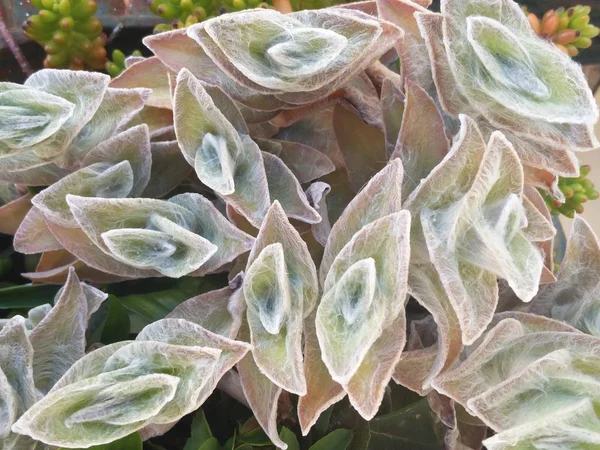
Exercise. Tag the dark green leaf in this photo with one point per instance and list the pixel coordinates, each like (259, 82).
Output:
(255, 437)
(410, 428)
(116, 326)
(210, 444)
(27, 296)
(289, 438)
(200, 432)
(152, 306)
(336, 440)
(131, 442)
(323, 422)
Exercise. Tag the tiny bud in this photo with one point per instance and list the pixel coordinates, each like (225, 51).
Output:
(550, 25)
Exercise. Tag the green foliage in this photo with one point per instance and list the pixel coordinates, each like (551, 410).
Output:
(183, 13)
(115, 66)
(69, 32)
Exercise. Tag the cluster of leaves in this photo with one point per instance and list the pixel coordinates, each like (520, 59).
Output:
(569, 29)
(69, 32)
(376, 228)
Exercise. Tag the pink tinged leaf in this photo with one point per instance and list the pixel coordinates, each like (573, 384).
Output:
(152, 235)
(420, 148)
(281, 289)
(315, 130)
(311, 75)
(392, 109)
(169, 169)
(542, 231)
(84, 89)
(362, 146)
(34, 236)
(414, 367)
(159, 120)
(285, 188)
(544, 180)
(95, 392)
(213, 226)
(364, 293)
(54, 267)
(321, 390)
(316, 194)
(178, 51)
(534, 151)
(149, 73)
(451, 98)
(515, 341)
(219, 311)
(360, 92)
(224, 160)
(132, 145)
(425, 286)
(185, 333)
(77, 242)
(410, 46)
(574, 297)
(13, 213)
(118, 107)
(380, 197)
(261, 393)
(59, 339)
(366, 388)
(306, 163)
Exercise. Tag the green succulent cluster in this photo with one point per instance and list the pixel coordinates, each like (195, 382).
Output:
(69, 32)
(577, 191)
(569, 29)
(183, 13)
(115, 66)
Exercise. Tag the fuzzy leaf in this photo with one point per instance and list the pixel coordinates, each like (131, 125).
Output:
(218, 311)
(87, 406)
(281, 289)
(363, 294)
(380, 197)
(306, 163)
(225, 161)
(362, 146)
(285, 188)
(420, 148)
(148, 73)
(279, 61)
(59, 339)
(575, 297)
(261, 393)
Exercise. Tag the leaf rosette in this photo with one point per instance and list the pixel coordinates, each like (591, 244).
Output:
(147, 237)
(55, 118)
(488, 63)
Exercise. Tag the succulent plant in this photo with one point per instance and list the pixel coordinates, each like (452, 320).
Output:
(569, 29)
(577, 191)
(376, 227)
(117, 65)
(69, 32)
(183, 13)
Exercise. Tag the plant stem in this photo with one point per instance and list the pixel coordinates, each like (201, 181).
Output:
(14, 47)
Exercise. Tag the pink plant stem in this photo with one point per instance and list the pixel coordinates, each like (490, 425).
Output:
(14, 47)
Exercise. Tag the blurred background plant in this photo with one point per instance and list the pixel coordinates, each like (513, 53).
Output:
(115, 66)
(569, 29)
(577, 191)
(70, 33)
